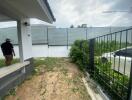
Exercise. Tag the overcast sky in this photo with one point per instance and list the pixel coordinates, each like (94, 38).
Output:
(90, 12)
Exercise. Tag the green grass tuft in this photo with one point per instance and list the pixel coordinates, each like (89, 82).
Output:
(2, 62)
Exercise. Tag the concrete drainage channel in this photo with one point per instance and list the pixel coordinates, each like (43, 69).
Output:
(93, 89)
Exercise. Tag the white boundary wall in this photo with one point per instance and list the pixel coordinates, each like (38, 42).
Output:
(44, 51)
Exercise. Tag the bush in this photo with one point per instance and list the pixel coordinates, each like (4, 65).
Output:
(114, 82)
(79, 53)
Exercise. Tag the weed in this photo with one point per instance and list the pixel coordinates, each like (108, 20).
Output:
(12, 92)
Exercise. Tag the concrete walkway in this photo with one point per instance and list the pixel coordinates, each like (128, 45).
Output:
(12, 68)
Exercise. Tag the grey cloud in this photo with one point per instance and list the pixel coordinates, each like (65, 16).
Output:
(76, 12)
(122, 5)
(124, 20)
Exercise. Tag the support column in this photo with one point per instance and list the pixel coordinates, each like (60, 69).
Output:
(24, 39)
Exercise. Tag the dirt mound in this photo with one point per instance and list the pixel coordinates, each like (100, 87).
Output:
(62, 82)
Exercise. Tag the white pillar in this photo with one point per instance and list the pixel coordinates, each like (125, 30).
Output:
(24, 39)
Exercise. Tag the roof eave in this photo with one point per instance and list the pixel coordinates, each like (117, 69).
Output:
(50, 11)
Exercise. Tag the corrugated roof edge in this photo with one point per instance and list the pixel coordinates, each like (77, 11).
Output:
(48, 6)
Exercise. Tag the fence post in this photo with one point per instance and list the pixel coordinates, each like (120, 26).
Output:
(91, 56)
(67, 37)
(129, 97)
(47, 37)
(86, 34)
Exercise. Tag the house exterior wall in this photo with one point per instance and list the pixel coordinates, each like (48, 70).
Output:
(15, 78)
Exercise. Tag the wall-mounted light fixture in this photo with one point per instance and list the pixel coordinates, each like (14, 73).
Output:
(26, 24)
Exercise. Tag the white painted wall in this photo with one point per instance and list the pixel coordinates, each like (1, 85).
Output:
(54, 51)
(24, 39)
(44, 51)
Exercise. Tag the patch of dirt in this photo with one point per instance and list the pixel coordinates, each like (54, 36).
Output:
(63, 82)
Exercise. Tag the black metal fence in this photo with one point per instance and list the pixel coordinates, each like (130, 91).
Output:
(111, 63)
